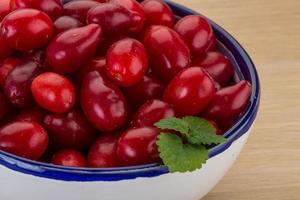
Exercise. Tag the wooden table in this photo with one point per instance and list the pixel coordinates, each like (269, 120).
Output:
(269, 166)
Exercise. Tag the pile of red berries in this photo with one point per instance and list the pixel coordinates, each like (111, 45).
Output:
(83, 83)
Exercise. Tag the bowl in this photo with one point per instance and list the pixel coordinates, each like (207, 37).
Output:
(26, 179)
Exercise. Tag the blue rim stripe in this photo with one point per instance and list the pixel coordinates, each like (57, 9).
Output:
(124, 173)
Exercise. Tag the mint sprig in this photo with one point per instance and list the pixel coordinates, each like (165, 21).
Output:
(186, 153)
(179, 157)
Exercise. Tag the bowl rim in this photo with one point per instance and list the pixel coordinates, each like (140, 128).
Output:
(51, 171)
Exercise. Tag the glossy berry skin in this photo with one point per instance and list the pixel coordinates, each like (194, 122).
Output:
(6, 67)
(151, 112)
(217, 65)
(168, 54)
(97, 64)
(103, 104)
(4, 106)
(72, 49)
(18, 82)
(158, 13)
(138, 15)
(35, 114)
(4, 8)
(79, 9)
(70, 130)
(53, 8)
(69, 158)
(114, 19)
(26, 29)
(103, 153)
(190, 91)
(148, 88)
(228, 102)
(127, 62)
(53, 92)
(5, 50)
(25, 139)
(65, 23)
(137, 146)
(196, 32)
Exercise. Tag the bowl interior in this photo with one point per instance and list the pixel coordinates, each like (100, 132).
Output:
(244, 69)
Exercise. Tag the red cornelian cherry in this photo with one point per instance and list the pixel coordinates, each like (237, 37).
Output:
(79, 9)
(65, 23)
(103, 153)
(17, 83)
(35, 114)
(53, 92)
(168, 54)
(26, 139)
(137, 146)
(196, 32)
(5, 50)
(138, 15)
(53, 8)
(6, 67)
(228, 102)
(103, 104)
(127, 62)
(69, 158)
(190, 91)
(4, 8)
(26, 29)
(114, 19)
(72, 49)
(158, 13)
(151, 112)
(70, 130)
(217, 65)
(148, 88)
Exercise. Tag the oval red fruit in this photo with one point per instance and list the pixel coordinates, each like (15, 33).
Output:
(229, 102)
(148, 88)
(70, 130)
(25, 139)
(158, 13)
(114, 19)
(18, 82)
(69, 158)
(190, 91)
(151, 112)
(168, 54)
(137, 146)
(197, 33)
(53, 8)
(217, 65)
(26, 29)
(72, 49)
(79, 9)
(103, 153)
(127, 62)
(53, 92)
(65, 23)
(103, 104)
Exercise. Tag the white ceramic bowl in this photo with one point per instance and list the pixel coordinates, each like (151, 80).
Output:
(22, 179)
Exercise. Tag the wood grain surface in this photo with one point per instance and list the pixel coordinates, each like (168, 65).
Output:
(269, 166)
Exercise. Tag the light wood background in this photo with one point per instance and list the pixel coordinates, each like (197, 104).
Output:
(269, 166)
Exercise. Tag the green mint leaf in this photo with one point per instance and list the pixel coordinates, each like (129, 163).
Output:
(202, 132)
(179, 157)
(175, 124)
